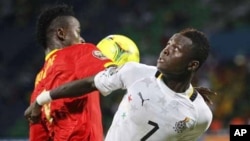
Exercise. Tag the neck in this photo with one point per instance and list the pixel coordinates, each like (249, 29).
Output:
(47, 51)
(177, 83)
(52, 47)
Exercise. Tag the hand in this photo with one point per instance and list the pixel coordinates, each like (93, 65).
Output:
(206, 93)
(33, 112)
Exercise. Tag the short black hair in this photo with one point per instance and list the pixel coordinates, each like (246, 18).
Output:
(201, 47)
(47, 16)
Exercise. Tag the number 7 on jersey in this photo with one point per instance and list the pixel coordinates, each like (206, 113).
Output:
(151, 132)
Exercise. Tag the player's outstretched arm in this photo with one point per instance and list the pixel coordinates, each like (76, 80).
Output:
(73, 89)
(67, 90)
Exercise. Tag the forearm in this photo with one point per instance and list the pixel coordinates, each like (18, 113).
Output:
(74, 88)
(70, 89)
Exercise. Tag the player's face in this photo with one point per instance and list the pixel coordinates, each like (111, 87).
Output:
(175, 57)
(73, 32)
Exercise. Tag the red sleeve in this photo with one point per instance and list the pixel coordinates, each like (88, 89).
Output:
(92, 58)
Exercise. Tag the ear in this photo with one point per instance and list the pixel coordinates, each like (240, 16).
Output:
(193, 65)
(60, 32)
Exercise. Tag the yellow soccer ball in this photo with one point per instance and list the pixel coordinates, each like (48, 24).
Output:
(119, 48)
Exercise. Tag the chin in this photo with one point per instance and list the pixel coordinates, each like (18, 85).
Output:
(160, 65)
(159, 68)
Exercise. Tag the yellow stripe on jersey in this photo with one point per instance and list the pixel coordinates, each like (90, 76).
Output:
(190, 92)
(50, 53)
(159, 76)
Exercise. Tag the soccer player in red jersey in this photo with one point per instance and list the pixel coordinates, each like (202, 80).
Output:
(68, 58)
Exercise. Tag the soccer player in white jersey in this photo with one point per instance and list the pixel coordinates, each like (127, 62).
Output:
(160, 104)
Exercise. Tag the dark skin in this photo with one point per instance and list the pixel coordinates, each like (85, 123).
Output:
(174, 62)
(178, 68)
(64, 34)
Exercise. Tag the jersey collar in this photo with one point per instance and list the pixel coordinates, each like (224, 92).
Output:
(50, 53)
(190, 92)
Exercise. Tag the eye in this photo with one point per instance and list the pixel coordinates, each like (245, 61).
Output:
(176, 48)
(167, 45)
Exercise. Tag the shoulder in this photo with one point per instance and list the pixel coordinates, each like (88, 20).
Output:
(83, 46)
(84, 49)
(135, 66)
(129, 69)
(91, 49)
(79, 47)
(134, 71)
(203, 107)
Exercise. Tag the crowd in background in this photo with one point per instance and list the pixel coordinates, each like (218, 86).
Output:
(150, 24)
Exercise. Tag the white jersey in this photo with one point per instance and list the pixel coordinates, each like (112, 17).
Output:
(150, 111)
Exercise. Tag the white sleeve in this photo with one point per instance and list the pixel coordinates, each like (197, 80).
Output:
(114, 78)
(108, 80)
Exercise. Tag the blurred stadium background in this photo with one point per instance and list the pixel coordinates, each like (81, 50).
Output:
(149, 23)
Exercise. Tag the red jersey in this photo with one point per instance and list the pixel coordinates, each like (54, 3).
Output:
(70, 119)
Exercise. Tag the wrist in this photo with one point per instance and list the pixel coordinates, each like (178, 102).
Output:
(43, 98)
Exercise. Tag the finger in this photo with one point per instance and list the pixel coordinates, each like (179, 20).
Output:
(30, 120)
(26, 114)
(34, 119)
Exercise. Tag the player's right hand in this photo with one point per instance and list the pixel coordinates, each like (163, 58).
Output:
(33, 112)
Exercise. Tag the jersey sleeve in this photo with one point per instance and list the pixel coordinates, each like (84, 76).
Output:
(114, 78)
(108, 80)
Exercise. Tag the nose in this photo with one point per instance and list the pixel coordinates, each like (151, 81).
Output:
(166, 51)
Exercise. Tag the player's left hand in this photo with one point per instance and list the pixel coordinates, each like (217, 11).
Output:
(206, 93)
(33, 113)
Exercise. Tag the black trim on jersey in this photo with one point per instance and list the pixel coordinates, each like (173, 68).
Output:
(193, 96)
(157, 74)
